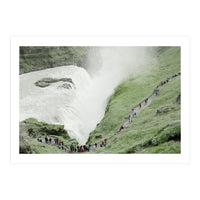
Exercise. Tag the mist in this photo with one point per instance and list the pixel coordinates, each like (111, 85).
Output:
(81, 108)
(118, 63)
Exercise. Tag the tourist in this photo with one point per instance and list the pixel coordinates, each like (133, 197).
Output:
(130, 119)
(121, 128)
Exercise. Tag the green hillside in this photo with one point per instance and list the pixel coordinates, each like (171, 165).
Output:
(31, 130)
(38, 58)
(156, 129)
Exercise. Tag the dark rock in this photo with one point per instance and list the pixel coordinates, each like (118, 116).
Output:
(98, 136)
(66, 86)
(45, 82)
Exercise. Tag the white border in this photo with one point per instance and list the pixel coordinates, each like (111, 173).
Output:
(182, 41)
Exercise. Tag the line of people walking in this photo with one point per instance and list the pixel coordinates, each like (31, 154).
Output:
(85, 148)
(132, 115)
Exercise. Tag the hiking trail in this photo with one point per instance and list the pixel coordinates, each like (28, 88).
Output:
(126, 124)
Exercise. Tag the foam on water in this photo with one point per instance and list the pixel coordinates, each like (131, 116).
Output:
(81, 108)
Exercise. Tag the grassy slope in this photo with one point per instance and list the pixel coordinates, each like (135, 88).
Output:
(40, 130)
(148, 123)
(38, 58)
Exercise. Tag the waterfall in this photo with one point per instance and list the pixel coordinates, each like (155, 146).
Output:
(79, 105)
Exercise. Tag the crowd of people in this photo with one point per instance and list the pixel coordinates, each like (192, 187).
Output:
(85, 148)
(131, 116)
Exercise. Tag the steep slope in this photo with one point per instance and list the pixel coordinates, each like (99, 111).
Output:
(38, 58)
(147, 134)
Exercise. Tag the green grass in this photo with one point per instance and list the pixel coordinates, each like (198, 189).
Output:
(42, 148)
(135, 90)
(31, 129)
(150, 132)
(38, 58)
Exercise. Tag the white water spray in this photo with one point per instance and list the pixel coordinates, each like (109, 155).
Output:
(81, 108)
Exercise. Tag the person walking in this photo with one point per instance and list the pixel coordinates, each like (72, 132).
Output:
(130, 118)
(121, 128)
(140, 105)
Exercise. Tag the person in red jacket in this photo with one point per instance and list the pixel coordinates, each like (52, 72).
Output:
(140, 105)
(102, 143)
(120, 128)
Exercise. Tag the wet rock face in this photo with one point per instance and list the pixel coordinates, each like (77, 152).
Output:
(41, 84)
(45, 82)
(66, 86)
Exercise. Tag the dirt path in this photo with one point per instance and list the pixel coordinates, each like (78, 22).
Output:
(127, 123)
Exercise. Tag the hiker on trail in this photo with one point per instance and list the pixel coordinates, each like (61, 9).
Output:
(102, 143)
(164, 82)
(146, 100)
(121, 128)
(140, 105)
(132, 109)
(72, 147)
(50, 140)
(38, 139)
(96, 145)
(105, 141)
(62, 142)
(46, 140)
(161, 83)
(179, 73)
(130, 118)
